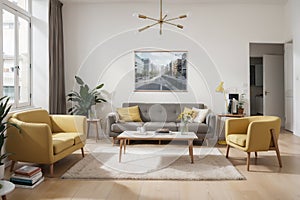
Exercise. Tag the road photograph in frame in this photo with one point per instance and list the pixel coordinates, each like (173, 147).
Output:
(160, 70)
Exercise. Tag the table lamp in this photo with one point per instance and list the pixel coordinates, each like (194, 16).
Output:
(220, 89)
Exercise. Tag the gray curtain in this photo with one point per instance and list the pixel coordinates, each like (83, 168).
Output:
(57, 96)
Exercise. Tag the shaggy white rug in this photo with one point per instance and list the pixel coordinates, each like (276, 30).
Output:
(153, 163)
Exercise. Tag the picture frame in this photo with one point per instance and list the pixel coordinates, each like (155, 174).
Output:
(160, 71)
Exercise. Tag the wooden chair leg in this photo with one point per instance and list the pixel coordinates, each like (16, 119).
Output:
(227, 150)
(276, 146)
(248, 161)
(51, 169)
(12, 165)
(82, 152)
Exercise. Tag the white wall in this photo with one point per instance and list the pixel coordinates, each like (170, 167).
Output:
(100, 39)
(40, 61)
(293, 32)
(258, 50)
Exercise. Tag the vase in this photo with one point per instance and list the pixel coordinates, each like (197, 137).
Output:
(184, 128)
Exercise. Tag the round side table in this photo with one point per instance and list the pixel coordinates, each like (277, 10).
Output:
(7, 187)
(95, 122)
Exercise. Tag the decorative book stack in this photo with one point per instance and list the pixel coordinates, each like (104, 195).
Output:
(27, 177)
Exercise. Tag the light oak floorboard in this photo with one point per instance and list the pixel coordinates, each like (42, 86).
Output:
(265, 180)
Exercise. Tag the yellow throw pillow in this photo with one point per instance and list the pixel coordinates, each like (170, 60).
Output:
(129, 114)
(188, 111)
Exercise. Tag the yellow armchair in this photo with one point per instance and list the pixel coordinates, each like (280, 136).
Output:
(253, 134)
(44, 138)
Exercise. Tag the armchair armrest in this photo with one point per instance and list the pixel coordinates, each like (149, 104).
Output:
(236, 126)
(33, 141)
(258, 136)
(69, 123)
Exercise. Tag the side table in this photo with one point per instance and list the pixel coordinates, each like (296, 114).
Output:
(7, 187)
(220, 125)
(95, 122)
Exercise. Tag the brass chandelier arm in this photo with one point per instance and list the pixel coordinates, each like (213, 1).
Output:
(146, 27)
(177, 25)
(162, 19)
(146, 17)
(180, 17)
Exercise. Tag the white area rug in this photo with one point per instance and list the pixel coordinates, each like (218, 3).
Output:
(152, 163)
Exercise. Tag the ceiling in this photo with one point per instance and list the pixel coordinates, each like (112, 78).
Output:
(181, 1)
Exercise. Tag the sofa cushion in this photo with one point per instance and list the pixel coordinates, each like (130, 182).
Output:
(201, 114)
(238, 139)
(62, 141)
(129, 114)
(196, 127)
(125, 126)
(187, 113)
(77, 137)
(153, 126)
(164, 112)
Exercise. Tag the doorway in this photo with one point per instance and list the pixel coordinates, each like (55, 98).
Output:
(267, 80)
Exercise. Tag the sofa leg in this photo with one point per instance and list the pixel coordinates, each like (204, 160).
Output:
(82, 152)
(248, 161)
(227, 150)
(12, 165)
(113, 141)
(255, 154)
(51, 169)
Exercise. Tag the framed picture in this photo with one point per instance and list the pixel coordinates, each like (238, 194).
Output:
(160, 70)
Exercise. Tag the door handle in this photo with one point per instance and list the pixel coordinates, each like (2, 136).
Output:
(266, 92)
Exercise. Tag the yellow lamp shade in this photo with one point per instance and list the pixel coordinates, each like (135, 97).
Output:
(220, 87)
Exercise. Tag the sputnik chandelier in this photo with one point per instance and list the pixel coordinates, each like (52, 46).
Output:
(162, 19)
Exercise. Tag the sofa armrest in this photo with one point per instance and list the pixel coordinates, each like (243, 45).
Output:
(32, 142)
(111, 119)
(211, 122)
(69, 123)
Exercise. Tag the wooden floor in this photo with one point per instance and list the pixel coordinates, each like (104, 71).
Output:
(264, 181)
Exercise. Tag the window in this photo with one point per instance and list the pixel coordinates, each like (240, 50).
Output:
(21, 3)
(16, 55)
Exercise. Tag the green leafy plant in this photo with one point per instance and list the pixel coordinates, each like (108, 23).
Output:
(4, 125)
(242, 101)
(85, 98)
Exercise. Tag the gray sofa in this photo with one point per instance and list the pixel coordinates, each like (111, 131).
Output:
(155, 116)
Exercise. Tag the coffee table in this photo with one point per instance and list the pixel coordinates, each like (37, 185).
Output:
(7, 187)
(151, 135)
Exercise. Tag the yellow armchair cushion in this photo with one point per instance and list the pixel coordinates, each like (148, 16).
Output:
(129, 114)
(238, 139)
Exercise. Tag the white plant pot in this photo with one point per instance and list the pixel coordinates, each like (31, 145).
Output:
(2, 168)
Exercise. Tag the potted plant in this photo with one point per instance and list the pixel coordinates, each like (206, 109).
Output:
(85, 98)
(241, 104)
(4, 109)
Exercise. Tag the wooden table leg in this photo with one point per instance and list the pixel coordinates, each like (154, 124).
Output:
(4, 197)
(121, 146)
(191, 150)
(125, 145)
(97, 136)
(88, 129)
